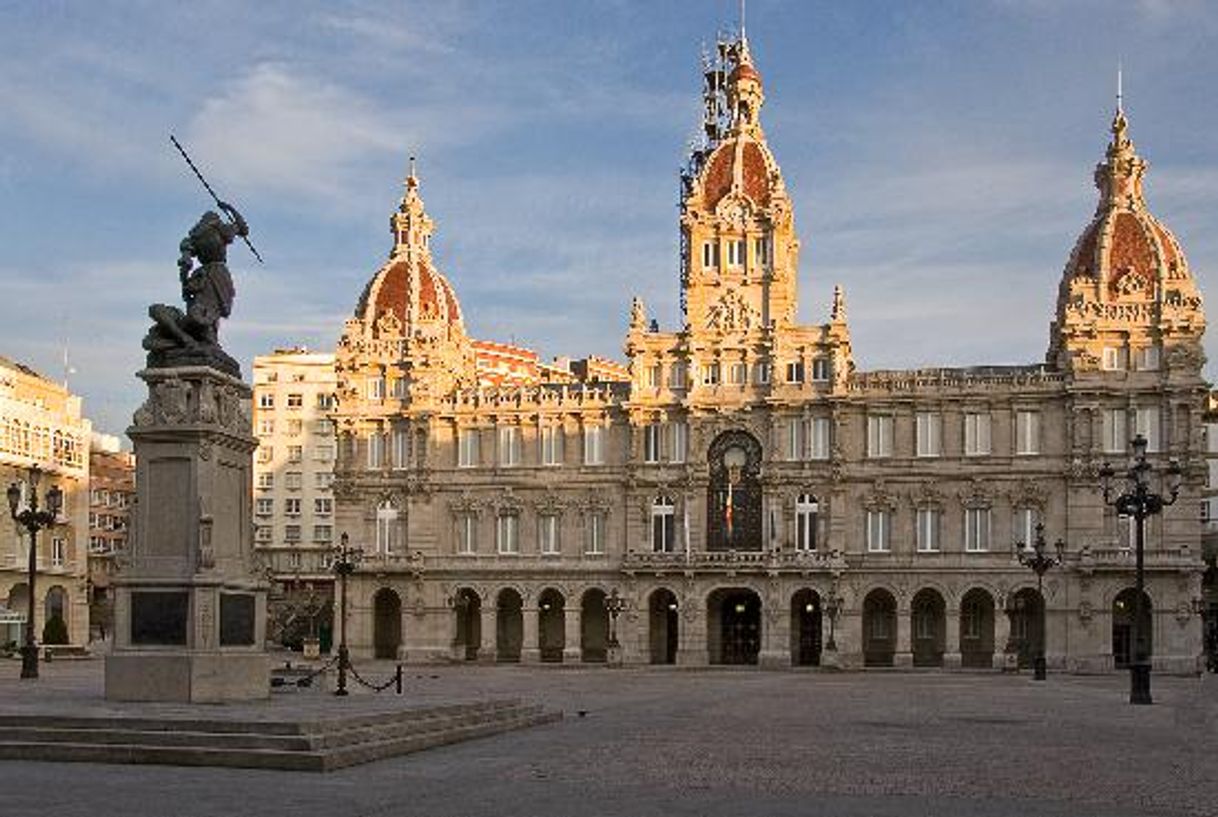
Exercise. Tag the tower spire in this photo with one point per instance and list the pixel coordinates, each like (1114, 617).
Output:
(1120, 95)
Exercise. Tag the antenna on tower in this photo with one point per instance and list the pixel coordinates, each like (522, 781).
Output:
(743, 36)
(1120, 94)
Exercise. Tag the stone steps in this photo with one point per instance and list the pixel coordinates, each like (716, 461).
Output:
(304, 745)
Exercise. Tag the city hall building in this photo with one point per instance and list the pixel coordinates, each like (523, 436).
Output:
(751, 492)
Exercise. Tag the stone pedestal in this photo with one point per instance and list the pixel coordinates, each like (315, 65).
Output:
(613, 655)
(190, 601)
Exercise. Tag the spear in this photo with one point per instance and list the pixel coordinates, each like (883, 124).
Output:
(207, 186)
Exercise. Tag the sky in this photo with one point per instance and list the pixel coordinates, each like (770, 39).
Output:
(939, 155)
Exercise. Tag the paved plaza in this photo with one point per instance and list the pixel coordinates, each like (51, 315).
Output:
(706, 742)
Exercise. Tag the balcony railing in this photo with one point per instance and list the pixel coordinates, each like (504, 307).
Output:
(732, 560)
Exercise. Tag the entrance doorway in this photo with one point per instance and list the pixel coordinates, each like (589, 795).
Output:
(977, 629)
(386, 623)
(1027, 625)
(928, 617)
(734, 619)
(551, 625)
(509, 626)
(879, 629)
(663, 626)
(593, 627)
(1122, 627)
(805, 629)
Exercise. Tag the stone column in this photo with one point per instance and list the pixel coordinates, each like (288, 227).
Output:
(951, 649)
(530, 648)
(190, 600)
(903, 656)
(775, 640)
(849, 638)
(572, 649)
(1002, 634)
(691, 646)
(488, 636)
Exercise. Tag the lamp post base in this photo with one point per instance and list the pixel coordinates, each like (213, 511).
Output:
(1139, 683)
(1039, 673)
(29, 661)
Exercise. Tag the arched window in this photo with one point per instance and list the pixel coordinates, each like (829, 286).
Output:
(388, 530)
(663, 525)
(806, 509)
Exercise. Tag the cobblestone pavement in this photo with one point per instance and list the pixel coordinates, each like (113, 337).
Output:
(707, 742)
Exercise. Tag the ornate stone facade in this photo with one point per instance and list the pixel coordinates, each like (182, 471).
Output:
(750, 494)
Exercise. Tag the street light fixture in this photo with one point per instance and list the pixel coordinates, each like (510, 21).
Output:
(346, 559)
(33, 520)
(833, 606)
(1139, 502)
(1036, 558)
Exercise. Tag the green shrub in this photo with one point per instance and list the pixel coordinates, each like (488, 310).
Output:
(55, 631)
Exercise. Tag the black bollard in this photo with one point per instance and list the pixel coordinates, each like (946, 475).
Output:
(398, 679)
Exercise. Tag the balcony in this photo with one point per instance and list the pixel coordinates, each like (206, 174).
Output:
(732, 562)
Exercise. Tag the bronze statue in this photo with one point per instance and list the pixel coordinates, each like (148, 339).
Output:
(188, 338)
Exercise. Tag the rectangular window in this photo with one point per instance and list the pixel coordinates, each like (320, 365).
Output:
(976, 434)
(265, 506)
(263, 534)
(879, 524)
(710, 374)
(977, 530)
(739, 373)
(266, 427)
(266, 400)
(735, 252)
(376, 388)
(795, 439)
(323, 427)
(547, 534)
(291, 506)
(1148, 358)
(325, 402)
(879, 435)
(594, 437)
(651, 442)
(594, 545)
(551, 445)
(467, 448)
(655, 374)
(294, 427)
(1113, 358)
(795, 371)
(323, 506)
(820, 438)
(1025, 526)
(710, 254)
(295, 401)
(928, 530)
(1116, 431)
(323, 480)
(761, 249)
(761, 373)
(467, 533)
(266, 453)
(679, 432)
(295, 453)
(323, 453)
(59, 549)
(506, 528)
(663, 527)
(294, 560)
(292, 480)
(1146, 423)
(821, 369)
(928, 431)
(266, 481)
(398, 388)
(376, 450)
(401, 448)
(676, 376)
(509, 446)
(1027, 432)
(323, 533)
(291, 534)
(805, 524)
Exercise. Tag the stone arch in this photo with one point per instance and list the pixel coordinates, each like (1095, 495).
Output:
(977, 612)
(593, 626)
(386, 623)
(879, 621)
(468, 610)
(551, 624)
(805, 627)
(928, 627)
(733, 493)
(733, 622)
(509, 624)
(663, 625)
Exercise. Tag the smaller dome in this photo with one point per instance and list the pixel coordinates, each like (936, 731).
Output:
(744, 71)
(720, 173)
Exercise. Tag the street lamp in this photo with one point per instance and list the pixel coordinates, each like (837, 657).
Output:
(614, 605)
(833, 606)
(33, 520)
(1140, 502)
(346, 558)
(1036, 558)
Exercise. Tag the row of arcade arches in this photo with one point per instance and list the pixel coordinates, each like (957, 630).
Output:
(734, 626)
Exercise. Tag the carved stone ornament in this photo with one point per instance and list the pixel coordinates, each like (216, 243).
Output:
(976, 495)
(1085, 612)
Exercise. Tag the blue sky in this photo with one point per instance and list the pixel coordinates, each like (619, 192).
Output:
(939, 154)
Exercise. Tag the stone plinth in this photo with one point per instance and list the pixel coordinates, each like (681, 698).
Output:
(190, 601)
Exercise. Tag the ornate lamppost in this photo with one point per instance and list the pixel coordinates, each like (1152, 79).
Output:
(1139, 502)
(1036, 558)
(614, 605)
(833, 606)
(33, 520)
(346, 559)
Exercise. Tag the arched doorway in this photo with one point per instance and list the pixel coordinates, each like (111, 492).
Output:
(55, 616)
(928, 627)
(733, 501)
(663, 626)
(805, 628)
(551, 625)
(19, 598)
(977, 629)
(509, 625)
(1027, 613)
(469, 623)
(593, 627)
(386, 623)
(1123, 607)
(879, 629)
(734, 622)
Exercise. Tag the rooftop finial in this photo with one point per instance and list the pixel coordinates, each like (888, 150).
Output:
(1120, 94)
(412, 181)
(743, 36)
